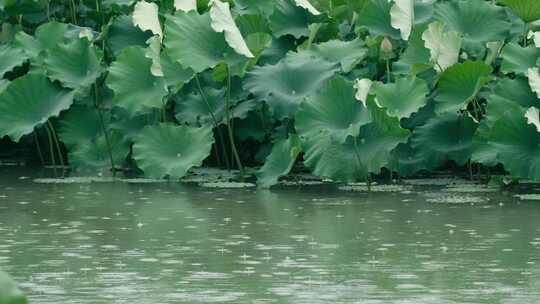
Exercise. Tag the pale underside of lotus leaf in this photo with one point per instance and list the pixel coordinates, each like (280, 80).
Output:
(145, 16)
(307, 5)
(534, 80)
(223, 22)
(185, 5)
(363, 87)
(443, 45)
(402, 17)
(402, 98)
(528, 10)
(75, 65)
(28, 102)
(284, 85)
(170, 151)
(461, 83)
(533, 118)
(478, 21)
(153, 51)
(191, 41)
(134, 86)
(518, 59)
(10, 58)
(333, 112)
(280, 161)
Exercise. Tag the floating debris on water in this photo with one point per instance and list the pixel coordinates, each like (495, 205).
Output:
(528, 197)
(227, 185)
(444, 198)
(362, 187)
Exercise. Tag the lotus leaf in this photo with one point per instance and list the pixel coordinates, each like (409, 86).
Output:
(528, 10)
(402, 98)
(280, 161)
(517, 59)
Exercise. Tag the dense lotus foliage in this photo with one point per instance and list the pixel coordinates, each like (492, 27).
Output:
(351, 88)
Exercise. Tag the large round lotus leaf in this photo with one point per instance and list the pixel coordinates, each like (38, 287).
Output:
(346, 53)
(284, 85)
(478, 21)
(416, 56)
(517, 144)
(280, 161)
(459, 84)
(408, 161)
(375, 15)
(518, 59)
(289, 19)
(450, 134)
(9, 292)
(121, 33)
(251, 24)
(528, 10)
(10, 58)
(169, 150)
(46, 37)
(402, 98)
(194, 109)
(191, 41)
(30, 101)
(358, 156)
(80, 124)
(175, 74)
(94, 155)
(333, 112)
(264, 7)
(75, 64)
(134, 86)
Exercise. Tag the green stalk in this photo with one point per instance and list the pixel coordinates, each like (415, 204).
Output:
(73, 11)
(215, 122)
(38, 147)
(229, 126)
(57, 144)
(51, 150)
(103, 128)
(357, 154)
(388, 79)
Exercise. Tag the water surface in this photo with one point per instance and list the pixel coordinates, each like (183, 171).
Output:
(172, 243)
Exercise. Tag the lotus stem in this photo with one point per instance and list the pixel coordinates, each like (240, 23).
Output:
(57, 144)
(229, 126)
(38, 147)
(73, 11)
(104, 129)
(388, 78)
(216, 125)
(51, 150)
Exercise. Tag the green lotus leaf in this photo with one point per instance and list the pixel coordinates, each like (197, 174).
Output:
(30, 101)
(194, 109)
(79, 125)
(517, 144)
(450, 134)
(534, 80)
(408, 161)
(478, 21)
(175, 74)
(264, 7)
(280, 161)
(75, 64)
(46, 37)
(134, 86)
(251, 24)
(527, 10)
(169, 150)
(358, 156)
(284, 85)
(460, 83)
(402, 98)
(346, 53)
(191, 41)
(121, 33)
(256, 126)
(289, 19)
(333, 112)
(416, 57)
(94, 154)
(9, 292)
(10, 58)
(375, 15)
(111, 3)
(3, 85)
(517, 59)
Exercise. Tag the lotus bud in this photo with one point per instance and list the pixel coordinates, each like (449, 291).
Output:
(386, 48)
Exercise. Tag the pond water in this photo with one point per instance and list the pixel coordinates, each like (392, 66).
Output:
(172, 243)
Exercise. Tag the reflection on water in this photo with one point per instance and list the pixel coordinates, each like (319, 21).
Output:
(170, 243)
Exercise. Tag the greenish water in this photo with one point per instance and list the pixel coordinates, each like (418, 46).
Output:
(171, 243)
